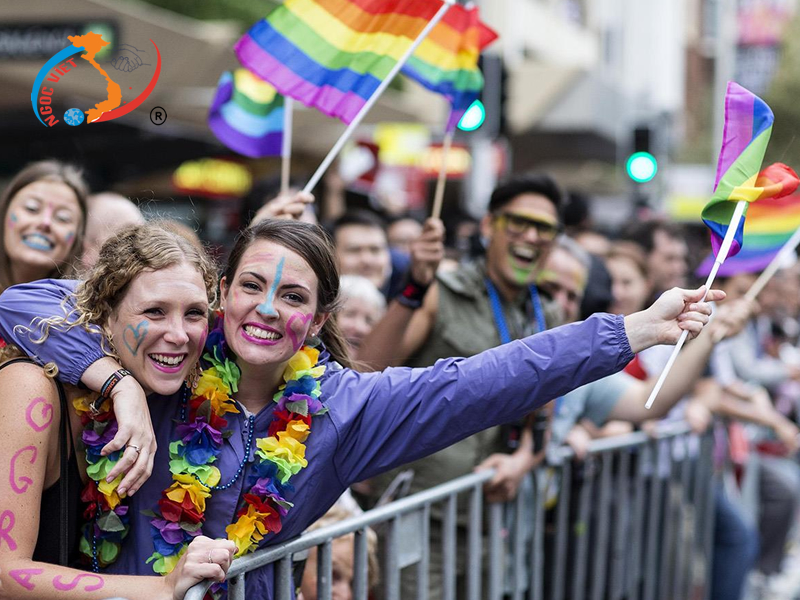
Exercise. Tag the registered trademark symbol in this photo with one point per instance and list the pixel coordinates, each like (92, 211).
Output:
(158, 116)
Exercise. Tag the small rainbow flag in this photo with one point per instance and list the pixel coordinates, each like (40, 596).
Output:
(446, 61)
(748, 126)
(770, 223)
(333, 54)
(247, 115)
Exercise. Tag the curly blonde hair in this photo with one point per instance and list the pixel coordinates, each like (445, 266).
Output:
(149, 247)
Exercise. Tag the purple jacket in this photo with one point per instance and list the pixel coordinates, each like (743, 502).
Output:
(376, 421)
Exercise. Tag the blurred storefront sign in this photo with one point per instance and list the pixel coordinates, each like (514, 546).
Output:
(690, 188)
(761, 26)
(35, 41)
(213, 178)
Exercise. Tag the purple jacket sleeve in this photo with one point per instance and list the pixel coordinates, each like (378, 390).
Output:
(402, 414)
(72, 351)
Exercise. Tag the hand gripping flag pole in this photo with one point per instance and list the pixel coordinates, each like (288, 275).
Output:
(748, 125)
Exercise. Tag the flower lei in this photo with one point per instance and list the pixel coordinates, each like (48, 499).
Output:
(106, 513)
(198, 442)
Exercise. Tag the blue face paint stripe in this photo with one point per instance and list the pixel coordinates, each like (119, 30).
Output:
(266, 307)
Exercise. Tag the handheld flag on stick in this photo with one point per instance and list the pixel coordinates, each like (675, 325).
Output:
(748, 125)
(770, 223)
(447, 61)
(337, 55)
(247, 115)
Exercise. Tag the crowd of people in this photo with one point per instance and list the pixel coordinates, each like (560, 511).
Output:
(164, 425)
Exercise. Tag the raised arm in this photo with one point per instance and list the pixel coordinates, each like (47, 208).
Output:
(406, 324)
(80, 358)
(28, 445)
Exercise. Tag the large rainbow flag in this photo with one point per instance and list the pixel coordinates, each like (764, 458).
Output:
(770, 223)
(446, 61)
(748, 126)
(333, 54)
(247, 115)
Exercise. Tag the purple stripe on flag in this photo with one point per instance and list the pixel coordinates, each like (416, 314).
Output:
(329, 100)
(254, 147)
(737, 264)
(738, 131)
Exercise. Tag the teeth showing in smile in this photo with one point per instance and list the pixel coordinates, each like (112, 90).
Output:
(37, 240)
(169, 361)
(261, 334)
(523, 252)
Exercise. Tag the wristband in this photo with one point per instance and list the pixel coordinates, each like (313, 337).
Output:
(105, 391)
(413, 293)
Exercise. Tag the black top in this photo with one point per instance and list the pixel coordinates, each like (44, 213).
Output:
(59, 517)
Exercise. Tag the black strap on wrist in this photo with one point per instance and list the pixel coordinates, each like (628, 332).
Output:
(105, 391)
(413, 293)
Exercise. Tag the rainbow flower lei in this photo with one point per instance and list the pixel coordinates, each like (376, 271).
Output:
(106, 514)
(198, 442)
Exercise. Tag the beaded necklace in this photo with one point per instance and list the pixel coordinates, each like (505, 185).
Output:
(198, 441)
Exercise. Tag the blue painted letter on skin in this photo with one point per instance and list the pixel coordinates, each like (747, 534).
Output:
(266, 308)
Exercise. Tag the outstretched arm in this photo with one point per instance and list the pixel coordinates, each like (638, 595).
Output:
(390, 418)
(29, 447)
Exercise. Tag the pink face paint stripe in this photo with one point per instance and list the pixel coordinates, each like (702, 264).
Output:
(26, 481)
(47, 414)
(23, 576)
(297, 341)
(5, 530)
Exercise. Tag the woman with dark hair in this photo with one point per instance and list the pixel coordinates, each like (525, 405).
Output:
(44, 219)
(277, 426)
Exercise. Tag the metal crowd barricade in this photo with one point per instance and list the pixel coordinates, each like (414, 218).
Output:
(632, 521)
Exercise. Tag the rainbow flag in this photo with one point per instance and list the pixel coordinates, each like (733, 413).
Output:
(247, 115)
(333, 54)
(770, 223)
(446, 61)
(748, 126)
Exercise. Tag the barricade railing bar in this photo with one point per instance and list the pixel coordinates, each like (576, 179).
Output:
(632, 521)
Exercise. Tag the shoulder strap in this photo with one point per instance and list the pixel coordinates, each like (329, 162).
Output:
(64, 442)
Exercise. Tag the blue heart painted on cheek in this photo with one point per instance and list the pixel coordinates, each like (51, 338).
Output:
(133, 338)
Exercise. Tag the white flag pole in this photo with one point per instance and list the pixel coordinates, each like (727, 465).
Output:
(763, 279)
(286, 144)
(374, 98)
(438, 196)
(738, 213)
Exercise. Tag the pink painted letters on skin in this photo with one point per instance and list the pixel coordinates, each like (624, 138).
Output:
(23, 576)
(41, 419)
(296, 327)
(25, 481)
(64, 587)
(5, 529)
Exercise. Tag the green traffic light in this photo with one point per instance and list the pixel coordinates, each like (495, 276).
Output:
(473, 117)
(641, 167)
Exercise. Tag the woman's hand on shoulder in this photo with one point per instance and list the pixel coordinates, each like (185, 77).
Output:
(134, 434)
(204, 559)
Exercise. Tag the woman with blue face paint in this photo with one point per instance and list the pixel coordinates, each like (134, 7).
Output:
(277, 426)
(149, 292)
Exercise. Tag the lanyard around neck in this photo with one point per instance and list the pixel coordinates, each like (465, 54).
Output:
(500, 318)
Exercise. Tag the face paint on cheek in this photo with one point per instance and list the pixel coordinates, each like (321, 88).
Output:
(297, 327)
(267, 308)
(6, 525)
(133, 337)
(64, 587)
(69, 237)
(25, 481)
(12, 220)
(23, 576)
(40, 419)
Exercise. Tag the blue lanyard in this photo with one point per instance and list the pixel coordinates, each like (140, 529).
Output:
(499, 317)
